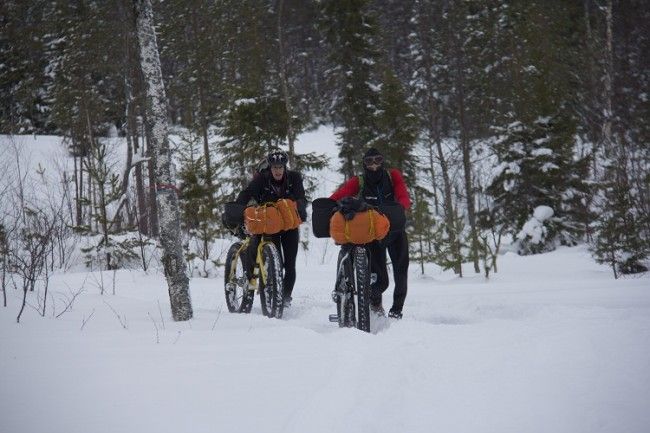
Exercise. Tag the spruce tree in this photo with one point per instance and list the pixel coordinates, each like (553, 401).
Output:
(350, 32)
(424, 242)
(24, 107)
(536, 134)
(618, 240)
(198, 201)
(396, 126)
(537, 169)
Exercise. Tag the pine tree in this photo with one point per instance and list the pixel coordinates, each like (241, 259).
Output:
(197, 201)
(450, 246)
(396, 126)
(619, 239)
(423, 239)
(255, 119)
(536, 143)
(537, 168)
(350, 32)
(23, 79)
(430, 89)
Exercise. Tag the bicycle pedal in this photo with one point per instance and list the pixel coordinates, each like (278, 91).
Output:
(334, 317)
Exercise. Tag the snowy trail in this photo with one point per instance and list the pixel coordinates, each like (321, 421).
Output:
(564, 350)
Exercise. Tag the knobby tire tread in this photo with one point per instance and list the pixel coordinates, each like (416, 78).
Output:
(272, 293)
(244, 304)
(362, 283)
(345, 286)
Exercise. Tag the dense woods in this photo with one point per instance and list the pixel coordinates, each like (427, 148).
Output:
(511, 120)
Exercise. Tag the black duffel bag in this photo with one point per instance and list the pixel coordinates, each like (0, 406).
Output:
(233, 215)
(322, 210)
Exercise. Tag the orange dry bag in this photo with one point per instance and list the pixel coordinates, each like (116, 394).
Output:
(265, 219)
(364, 228)
(289, 213)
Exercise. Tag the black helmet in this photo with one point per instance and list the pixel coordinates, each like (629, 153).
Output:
(277, 157)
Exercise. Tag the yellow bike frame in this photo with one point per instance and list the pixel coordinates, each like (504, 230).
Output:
(259, 259)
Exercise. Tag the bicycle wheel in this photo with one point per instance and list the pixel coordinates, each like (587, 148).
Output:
(362, 283)
(345, 289)
(271, 291)
(239, 298)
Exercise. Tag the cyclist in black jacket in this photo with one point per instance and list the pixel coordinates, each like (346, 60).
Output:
(269, 185)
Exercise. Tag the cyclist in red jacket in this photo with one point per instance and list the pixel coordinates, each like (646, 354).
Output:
(379, 185)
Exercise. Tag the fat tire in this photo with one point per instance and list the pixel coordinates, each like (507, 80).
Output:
(239, 300)
(345, 288)
(272, 293)
(362, 283)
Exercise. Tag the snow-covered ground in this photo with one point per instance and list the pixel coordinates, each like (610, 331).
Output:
(552, 343)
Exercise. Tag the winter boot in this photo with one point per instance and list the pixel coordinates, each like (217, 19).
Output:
(394, 313)
(377, 309)
(287, 301)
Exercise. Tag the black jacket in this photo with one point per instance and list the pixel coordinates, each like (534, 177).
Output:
(264, 189)
(377, 192)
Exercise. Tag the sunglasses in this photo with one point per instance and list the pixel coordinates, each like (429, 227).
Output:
(377, 160)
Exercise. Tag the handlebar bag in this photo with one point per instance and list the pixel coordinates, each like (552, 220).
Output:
(233, 215)
(322, 210)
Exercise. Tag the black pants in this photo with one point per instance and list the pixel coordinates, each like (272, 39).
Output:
(398, 249)
(287, 244)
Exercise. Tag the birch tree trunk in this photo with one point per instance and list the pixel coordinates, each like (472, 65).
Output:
(152, 210)
(166, 192)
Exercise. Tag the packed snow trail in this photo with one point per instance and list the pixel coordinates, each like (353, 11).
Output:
(551, 343)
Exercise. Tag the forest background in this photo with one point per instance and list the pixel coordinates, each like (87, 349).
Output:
(516, 123)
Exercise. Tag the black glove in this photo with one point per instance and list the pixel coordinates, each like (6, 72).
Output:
(349, 206)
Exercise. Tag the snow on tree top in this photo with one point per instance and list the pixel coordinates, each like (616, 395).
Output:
(244, 101)
(542, 213)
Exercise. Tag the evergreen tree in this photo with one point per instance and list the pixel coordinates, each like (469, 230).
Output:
(424, 242)
(536, 143)
(350, 32)
(198, 201)
(430, 89)
(619, 238)
(396, 126)
(537, 168)
(393, 18)
(23, 80)
(84, 46)
(255, 120)
(449, 254)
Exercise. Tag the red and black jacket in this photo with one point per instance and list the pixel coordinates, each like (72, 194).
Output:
(391, 188)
